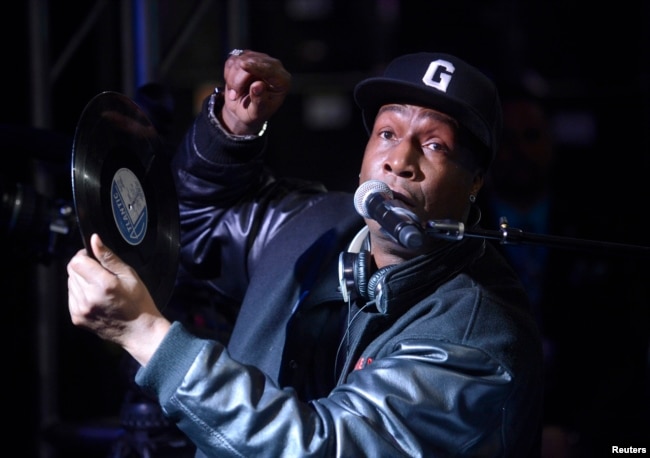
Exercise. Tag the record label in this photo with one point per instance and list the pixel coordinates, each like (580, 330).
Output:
(129, 206)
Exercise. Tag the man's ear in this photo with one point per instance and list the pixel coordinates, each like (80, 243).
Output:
(477, 184)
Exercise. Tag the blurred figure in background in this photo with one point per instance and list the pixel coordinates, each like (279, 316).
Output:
(520, 188)
(578, 297)
(521, 184)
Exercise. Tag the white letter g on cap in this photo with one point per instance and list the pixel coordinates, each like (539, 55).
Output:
(438, 75)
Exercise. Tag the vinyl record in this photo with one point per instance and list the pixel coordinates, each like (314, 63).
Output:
(123, 190)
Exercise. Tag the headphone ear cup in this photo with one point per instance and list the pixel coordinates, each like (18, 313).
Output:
(355, 278)
(375, 283)
(362, 272)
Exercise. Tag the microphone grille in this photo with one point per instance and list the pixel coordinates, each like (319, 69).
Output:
(367, 189)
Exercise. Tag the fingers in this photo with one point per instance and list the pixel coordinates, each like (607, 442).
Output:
(86, 270)
(77, 299)
(87, 281)
(108, 259)
(256, 86)
(103, 254)
(84, 267)
(243, 70)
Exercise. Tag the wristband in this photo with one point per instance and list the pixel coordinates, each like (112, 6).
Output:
(214, 119)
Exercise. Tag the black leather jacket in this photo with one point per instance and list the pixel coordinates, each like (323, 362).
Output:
(450, 367)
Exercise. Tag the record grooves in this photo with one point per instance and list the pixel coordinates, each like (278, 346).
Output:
(123, 190)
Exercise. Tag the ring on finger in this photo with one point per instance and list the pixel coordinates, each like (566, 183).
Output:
(236, 52)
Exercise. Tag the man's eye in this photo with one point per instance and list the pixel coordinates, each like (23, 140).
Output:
(386, 135)
(434, 146)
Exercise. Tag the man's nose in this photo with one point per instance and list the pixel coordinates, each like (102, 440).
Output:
(402, 160)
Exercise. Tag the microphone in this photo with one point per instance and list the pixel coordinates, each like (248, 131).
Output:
(372, 200)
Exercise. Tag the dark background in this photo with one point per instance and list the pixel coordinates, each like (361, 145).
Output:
(67, 387)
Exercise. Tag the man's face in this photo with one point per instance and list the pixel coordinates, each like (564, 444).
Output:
(415, 151)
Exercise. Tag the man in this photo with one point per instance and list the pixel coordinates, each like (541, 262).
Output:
(433, 352)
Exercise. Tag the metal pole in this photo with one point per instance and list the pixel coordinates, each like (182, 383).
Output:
(39, 70)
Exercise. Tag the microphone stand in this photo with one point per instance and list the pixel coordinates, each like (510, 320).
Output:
(454, 230)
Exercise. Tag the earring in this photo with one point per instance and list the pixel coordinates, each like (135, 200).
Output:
(472, 198)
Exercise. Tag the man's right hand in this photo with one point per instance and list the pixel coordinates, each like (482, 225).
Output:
(107, 297)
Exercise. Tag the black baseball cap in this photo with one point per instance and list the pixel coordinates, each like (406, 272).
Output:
(444, 83)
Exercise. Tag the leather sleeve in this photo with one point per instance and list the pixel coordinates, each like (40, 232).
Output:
(453, 404)
(230, 204)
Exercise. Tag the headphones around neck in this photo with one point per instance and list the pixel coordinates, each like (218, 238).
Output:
(357, 281)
